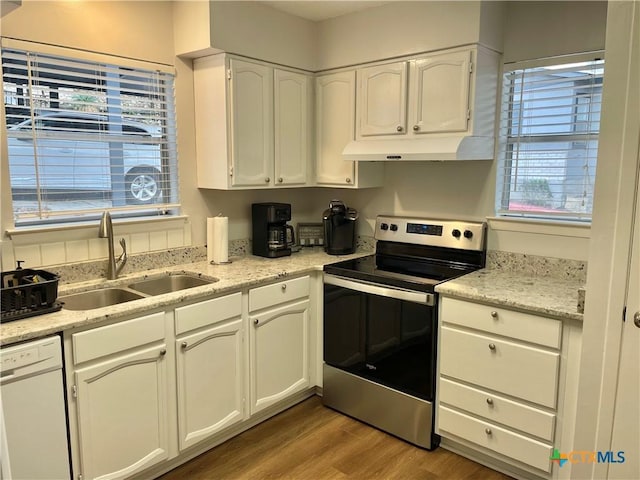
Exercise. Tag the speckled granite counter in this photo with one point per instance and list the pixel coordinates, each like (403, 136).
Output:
(549, 296)
(243, 272)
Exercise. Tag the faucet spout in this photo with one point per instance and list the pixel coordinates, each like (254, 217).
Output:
(105, 230)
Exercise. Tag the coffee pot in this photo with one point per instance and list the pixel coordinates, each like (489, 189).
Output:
(272, 236)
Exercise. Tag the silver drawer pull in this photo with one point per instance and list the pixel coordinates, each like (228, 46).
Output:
(490, 401)
(163, 352)
(494, 314)
(492, 347)
(284, 287)
(184, 345)
(488, 431)
(256, 321)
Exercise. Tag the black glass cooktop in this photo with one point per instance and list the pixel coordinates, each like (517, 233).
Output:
(409, 273)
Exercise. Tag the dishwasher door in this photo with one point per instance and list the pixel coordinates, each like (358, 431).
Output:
(33, 423)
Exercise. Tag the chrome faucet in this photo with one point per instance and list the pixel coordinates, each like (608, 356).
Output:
(105, 230)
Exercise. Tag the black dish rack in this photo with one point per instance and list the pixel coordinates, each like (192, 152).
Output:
(27, 292)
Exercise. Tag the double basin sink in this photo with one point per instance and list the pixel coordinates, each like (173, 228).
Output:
(104, 297)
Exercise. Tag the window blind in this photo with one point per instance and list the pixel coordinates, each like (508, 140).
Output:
(86, 136)
(549, 126)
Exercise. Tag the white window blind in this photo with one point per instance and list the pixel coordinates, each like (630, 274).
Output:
(550, 121)
(87, 136)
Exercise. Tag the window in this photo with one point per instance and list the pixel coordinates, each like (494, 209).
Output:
(549, 128)
(86, 136)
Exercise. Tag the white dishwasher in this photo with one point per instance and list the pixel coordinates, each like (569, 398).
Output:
(33, 422)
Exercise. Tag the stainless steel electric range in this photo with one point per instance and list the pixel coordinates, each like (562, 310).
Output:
(381, 326)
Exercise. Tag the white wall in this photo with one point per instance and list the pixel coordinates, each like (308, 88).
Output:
(544, 29)
(402, 28)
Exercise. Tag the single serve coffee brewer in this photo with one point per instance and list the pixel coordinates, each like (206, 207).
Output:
(272, 237)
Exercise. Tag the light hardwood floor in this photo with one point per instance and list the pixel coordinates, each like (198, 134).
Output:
(309, 441)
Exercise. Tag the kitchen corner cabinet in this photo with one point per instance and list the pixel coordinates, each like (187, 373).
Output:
(335, 120)
(279, 343)
(210, 367)
(253, 124)
(506, 383)
(121, 395)
(453, 91)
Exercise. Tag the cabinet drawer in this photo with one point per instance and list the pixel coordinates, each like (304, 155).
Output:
(507, 367)
(500, 440)
(208, 312)
(500, 321)
(498, 409)
(115, 338)
(270, 295)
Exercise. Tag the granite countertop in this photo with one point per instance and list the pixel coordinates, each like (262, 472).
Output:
(243, 272)
(549, 296)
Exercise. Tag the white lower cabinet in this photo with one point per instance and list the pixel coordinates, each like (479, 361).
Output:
(210, 368)
(500, 374)
(146, 390)
(121, 397)
(279, 341)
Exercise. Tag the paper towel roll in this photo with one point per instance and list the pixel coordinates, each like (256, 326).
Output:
(218, 239)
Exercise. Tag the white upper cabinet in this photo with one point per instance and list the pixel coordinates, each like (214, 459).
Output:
(452, 92)
(382, 100)
(440, 93)
(292, 109)
(251, 116)
(335, 120)
(252, 124)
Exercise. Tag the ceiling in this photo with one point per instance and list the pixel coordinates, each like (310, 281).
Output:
(321, 10)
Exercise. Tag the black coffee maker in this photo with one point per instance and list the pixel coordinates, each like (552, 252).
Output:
(339, 228)
(272, 237)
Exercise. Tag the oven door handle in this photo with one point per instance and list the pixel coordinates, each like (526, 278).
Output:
(381, 290)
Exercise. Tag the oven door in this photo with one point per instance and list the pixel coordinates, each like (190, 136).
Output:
(384, 334)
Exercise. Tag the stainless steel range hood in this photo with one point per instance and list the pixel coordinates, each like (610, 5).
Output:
(429, 149)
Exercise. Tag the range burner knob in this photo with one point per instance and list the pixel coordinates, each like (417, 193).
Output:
(468, 234)
(394, 227)
(456, 233)
(384, 226)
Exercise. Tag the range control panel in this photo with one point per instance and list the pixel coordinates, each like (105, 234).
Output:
(437, 233)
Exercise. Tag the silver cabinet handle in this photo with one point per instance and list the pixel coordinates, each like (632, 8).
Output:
(184, 345)
(256, 321)
(488, 431)
(416, 128)
(490, 401)
(492, 347)
(399, 128)
(280, 180)
(494, 314)
(636, 319)
(267, 180)
(284, 287)
(163, 352)
(348, 180)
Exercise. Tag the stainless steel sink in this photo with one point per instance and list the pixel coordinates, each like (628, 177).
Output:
(170, 283)
(103, 297)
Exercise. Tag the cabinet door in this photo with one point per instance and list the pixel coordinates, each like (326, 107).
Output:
(210, 382)
(335, 120)
(382, 100)
(122, 414)
(439, 96)
(251, 124)
(291, 113)
(279, 346)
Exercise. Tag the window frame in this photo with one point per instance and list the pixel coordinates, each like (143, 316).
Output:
(168, 206)
(507, 141)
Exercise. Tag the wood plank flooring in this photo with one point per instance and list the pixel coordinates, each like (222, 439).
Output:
(310, 441)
